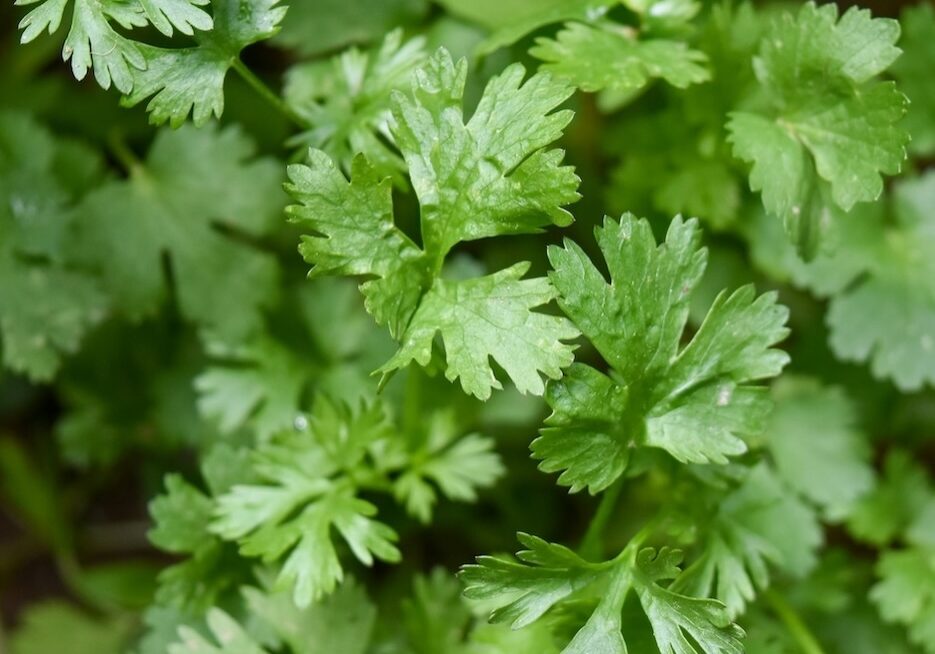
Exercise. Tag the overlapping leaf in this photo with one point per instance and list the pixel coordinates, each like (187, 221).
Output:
(546, 575)
(757, 526)
(194, 185)
(180, 81)
(346, 101)
(46, 306)
(302, 496)
(490, 176)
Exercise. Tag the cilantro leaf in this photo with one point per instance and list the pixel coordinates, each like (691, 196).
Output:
(594, 59)
(191, 80)
(831, 129)
(889, 510)
(546, 574)
(184, 15)
(694, 402)
(192, 181)
(302, 496)
(340, 23)
(358, 235)
(913, 73)
(182, 515)
(817, 448)
(93, 42)
(517, 24)
(757, 525)
(899, 284)
(681, 624)
(877, 266)
(342, 622)
(905, 593)
(346, 101)
(492, 177)
(263, 386)
(457, 466)
(229, 636)
(53, 626)
(489, 317)
(46, 306)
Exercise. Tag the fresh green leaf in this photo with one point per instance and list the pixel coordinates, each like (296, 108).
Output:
(303, 496)
(756, 526)
(228, 638)
(342, 622)
(831, 130)
(55, 626)
(547, 574)
(191, 80)
(492, 177)
(906, 593)
(885, 513)
(595, 59)
(489, 318)
(817, 448)
(346, 100)
(46, 305)
(913, 73)
(193, 180)
(695, 402)
(457, 466)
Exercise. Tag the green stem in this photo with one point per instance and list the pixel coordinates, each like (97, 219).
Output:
(592, 545)
(70, 573)
(797, 628)
(267, 94)
(123, 154)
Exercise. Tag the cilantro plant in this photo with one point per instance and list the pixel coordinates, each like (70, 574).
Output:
(309, 311)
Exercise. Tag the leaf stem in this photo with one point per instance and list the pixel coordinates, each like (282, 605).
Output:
(267, 94)
(797, 628)
(123, 154)
(592, 543)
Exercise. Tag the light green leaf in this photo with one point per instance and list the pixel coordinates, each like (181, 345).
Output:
(831, 129)
(913, 72)
(192, 180)
(818, 450)
(457, 466)
(905, 593)
(342, 622)
(545, 575)
(184, 15)
(595, 59)
(302, 495)
(56, 626)
(346, 102)
(758, 525)
(682, 624)
(889, 510)
(357, 234)
(46, 306)
(228, 638)
(181, 515)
